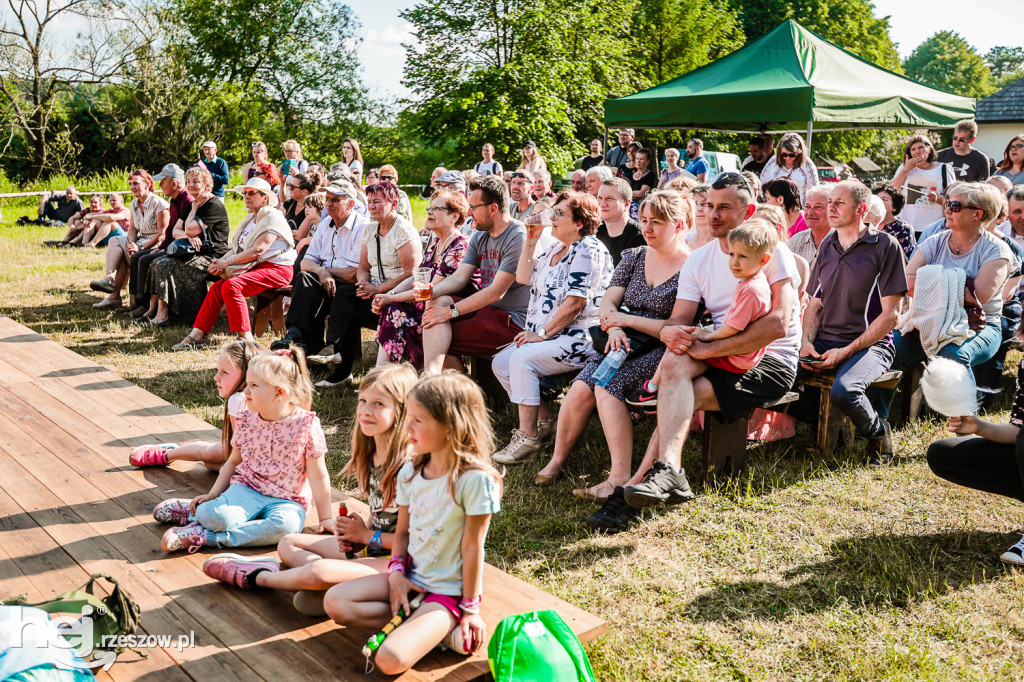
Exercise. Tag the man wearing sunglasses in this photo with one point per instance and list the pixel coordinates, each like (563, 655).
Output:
(968, 164)
(521, 189)
(690, 386)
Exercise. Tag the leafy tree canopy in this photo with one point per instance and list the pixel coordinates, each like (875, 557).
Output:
(946, 61)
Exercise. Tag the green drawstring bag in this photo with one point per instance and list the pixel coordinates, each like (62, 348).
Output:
(537, 647)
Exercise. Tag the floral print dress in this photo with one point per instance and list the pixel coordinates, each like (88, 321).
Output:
(400, 333)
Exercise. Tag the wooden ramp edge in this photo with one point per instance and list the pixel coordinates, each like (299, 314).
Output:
(70, 505)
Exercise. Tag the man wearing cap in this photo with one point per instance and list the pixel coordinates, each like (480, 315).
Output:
(217, 166)
(455, 181)
(172, 183)
(521, 189)
(329, 264)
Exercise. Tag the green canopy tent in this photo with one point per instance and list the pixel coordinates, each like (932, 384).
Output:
(789, 80)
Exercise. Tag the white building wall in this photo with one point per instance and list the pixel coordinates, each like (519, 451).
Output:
(993, 137)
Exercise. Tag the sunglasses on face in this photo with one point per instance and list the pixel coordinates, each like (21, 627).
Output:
(518, 175)
(787, 155)
(957, 206)
(386, 178)
(251, 194)
(957, 138)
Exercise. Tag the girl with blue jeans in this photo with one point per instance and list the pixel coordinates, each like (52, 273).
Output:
(276, 465)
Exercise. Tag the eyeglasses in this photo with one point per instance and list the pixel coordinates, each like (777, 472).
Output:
(957, 138)
(957, 206)
(386, 178)
(432, 209)
(333, 200)
(558, 213)
(251, 194)
(787, 155)
(486, 203)
(1015, 147)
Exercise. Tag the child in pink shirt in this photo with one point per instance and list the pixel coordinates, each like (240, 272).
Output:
(751, 246)
(276, 466)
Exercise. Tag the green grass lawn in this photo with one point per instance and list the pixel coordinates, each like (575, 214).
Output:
(802, 568)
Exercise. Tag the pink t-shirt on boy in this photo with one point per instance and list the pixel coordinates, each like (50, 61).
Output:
(274, 454)
(751, 300)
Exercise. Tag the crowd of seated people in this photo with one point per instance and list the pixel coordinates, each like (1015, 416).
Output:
(723, 292)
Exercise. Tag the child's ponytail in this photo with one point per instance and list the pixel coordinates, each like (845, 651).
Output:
(287, 369)
(241, 353)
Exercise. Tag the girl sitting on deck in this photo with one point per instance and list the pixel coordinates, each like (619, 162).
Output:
(380, 447)
(232, 364)
(446, 496)
(276, 465)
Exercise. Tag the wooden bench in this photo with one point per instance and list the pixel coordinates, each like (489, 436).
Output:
(833, 424)
(70, 505)
(270, 310)
(724, 449)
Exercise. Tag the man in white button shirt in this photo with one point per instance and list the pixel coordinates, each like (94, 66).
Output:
(329, 264)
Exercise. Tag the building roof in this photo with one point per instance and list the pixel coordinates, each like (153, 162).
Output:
(1005, 105)
(865, 165)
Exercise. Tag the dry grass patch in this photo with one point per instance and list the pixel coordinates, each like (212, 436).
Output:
(802, 568)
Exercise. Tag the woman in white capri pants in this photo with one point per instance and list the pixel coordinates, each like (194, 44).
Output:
(566, 284)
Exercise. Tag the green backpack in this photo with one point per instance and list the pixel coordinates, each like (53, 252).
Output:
(113, 615)
(537, 647)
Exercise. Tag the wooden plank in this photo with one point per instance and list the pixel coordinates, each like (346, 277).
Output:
(139, 544)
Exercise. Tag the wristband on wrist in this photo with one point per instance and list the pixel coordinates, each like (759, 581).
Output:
(470, 606)
(396, 565)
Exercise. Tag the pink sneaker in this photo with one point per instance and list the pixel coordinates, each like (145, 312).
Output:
(236, 569)
(190, 537)
(151, 455)
(172, 511)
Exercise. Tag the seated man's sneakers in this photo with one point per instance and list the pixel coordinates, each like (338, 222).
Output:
(1015, 555)
(662, 484)
(615, 515)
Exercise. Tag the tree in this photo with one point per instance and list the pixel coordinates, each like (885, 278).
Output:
(297, 57)
(1006, 64)
(673, 37)
(851, 24)
(504, 71)
(947, 62)
(39, 72)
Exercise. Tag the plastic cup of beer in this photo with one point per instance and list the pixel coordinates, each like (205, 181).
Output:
(540, 221)
(421, 286)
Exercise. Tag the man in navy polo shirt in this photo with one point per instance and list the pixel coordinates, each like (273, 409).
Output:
(856, 288)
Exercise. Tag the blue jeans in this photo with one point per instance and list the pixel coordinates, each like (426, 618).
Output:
(974, 351)
(242, 517)
(849, 390)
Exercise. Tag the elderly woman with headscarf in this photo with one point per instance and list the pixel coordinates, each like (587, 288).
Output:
(261, 257)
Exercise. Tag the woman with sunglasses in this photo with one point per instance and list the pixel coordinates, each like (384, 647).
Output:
(1012, 165)
(263, 249)
(923, 181)
(985, 258)
(791, 161)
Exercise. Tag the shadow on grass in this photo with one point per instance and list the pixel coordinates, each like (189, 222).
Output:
(880, 571)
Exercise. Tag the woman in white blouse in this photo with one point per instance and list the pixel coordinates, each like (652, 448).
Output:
(792, 161)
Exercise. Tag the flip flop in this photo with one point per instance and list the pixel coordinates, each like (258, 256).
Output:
(151, 455)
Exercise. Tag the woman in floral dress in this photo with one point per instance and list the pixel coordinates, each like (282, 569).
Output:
(399, 334)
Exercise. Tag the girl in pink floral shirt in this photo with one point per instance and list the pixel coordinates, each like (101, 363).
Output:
(276, 467)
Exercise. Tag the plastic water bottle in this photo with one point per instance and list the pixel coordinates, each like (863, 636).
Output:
(608, 367)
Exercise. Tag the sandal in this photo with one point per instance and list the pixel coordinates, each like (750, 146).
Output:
(151, 455)
(189, 343)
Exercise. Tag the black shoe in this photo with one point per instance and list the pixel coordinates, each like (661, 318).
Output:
(661, 484)
(23, 220)
(644, 398)
(615, 515)
(283, 343)
(879, 449)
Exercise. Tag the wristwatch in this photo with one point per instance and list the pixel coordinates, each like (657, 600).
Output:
(542, 333)
(375, 545)
(453, 311)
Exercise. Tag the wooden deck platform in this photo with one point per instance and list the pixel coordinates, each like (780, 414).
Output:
(70, 505)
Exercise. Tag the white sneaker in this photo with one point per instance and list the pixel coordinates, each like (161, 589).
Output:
(1014, 555)
(521, 449)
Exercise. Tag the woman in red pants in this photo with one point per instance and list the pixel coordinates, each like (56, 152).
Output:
(264, 242)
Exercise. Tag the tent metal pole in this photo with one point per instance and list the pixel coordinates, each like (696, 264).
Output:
(604, 140)
(810, 132)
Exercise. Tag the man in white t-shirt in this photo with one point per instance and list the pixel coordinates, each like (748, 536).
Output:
(706, 276)
(488, 166)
